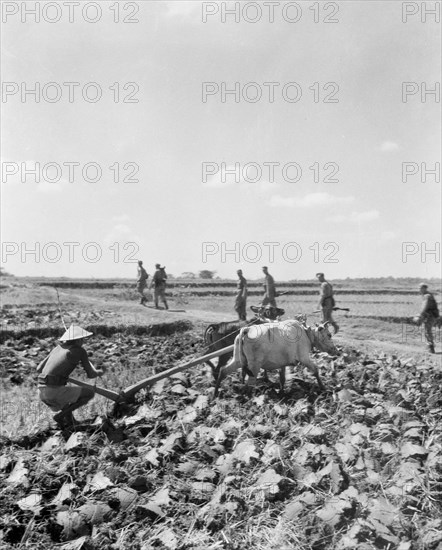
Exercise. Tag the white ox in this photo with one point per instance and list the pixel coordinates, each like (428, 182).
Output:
(276, 345)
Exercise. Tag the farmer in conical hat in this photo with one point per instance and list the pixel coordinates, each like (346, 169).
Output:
(54, 371)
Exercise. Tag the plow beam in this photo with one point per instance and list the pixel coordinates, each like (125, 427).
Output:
(131, 390)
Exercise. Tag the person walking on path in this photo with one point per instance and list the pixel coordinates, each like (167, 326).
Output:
(53, 373)
(326, 301)
(241, 297)
(269, 289)
(428, 315)
(158, 281)
(142, 281)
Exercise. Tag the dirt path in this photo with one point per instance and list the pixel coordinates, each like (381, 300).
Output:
(403, 351)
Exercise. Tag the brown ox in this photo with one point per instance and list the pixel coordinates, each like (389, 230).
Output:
(220, 335)
(277, 345)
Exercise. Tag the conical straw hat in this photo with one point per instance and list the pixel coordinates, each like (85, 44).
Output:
(74, 332)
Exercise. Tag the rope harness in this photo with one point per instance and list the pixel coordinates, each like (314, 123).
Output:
(248, 324)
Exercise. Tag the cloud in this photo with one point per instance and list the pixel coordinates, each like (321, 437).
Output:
(48, 187)
(13, 171)
(262, 186)
(388, 235)
(182, 7)
(231, 178)
(121, 233)
(121, 218)
(355, 217)
(389, 147)
(309, 201)
(217, 179)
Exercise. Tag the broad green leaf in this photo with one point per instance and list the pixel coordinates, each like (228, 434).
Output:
(383, 511)
(293, 509)
(346, 451)
(188, 415)
(203, 487)
(410, 449)
(18, 476)
(361, 429)
(244, 451)
(332, 510)
(205, 473)
(272, 451)
(268, 482)
(168, 538)
(54, 442)
(77, 439)
(170, 443)
(31, 502)
(152, 457)
(98, 482)
(311, 430)
(125, 496)
(66, 492)
(225, 463)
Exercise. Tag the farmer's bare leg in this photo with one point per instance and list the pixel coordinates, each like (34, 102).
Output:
(327, 315)
(159, 292)
(243, 311)
(163, 297)
(428, 325)
(240, 308)
(140, 289)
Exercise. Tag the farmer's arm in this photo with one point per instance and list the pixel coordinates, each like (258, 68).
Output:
(91, 371)
(419, 318)
(41, 366)
(424, 309)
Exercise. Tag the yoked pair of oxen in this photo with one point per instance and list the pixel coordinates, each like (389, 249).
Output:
(276, 345)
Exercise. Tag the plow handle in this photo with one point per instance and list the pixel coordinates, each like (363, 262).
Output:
(109, 394)
(334, 309)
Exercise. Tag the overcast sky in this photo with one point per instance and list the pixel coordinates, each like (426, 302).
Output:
(360, 125)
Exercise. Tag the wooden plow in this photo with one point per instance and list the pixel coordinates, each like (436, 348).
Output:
(128, 393)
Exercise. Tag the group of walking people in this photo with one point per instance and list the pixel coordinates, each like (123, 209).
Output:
(326, 300)
(428, 316)
(158, 282)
